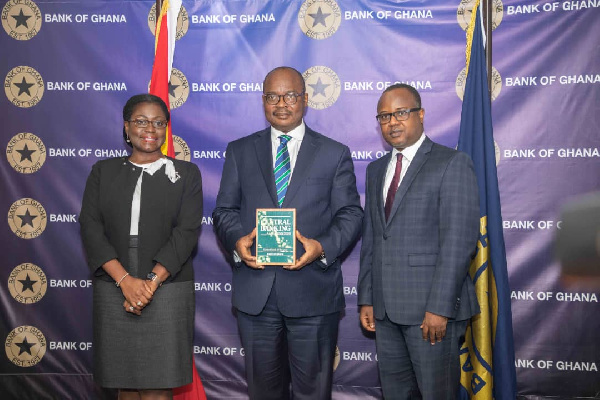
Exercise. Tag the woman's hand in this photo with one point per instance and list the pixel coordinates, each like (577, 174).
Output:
(130, 309)
(137, 294)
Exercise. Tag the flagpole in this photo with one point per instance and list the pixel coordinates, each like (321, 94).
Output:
(158, 8)
(487, 23)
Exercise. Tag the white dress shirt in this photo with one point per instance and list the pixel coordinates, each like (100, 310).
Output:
(293, 145)
(408, 154)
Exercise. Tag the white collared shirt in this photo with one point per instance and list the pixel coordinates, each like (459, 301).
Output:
(293, 144)
(408, 154)
(150, 169)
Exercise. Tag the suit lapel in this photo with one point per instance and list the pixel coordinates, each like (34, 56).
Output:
(413, 169)
(262, 145)
(306, 155)
(380, 176)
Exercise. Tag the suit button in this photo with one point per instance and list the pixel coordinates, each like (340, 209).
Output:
(385, 236)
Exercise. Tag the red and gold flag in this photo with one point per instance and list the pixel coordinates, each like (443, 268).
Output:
(166, 28)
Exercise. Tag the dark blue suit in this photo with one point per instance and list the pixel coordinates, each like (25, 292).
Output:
(417, 261)
(323, 192)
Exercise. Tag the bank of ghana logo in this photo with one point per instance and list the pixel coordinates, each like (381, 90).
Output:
(181, 148)
(25, 346)
(323, 86)
(461, 81)
(319, 19)
(27, 218)
(24, 86)
(183, 22)
(465, 10)
(26, 153)
(179, 89)
(21, 19)
(27, 283)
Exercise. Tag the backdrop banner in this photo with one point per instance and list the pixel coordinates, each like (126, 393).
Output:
(69, 67)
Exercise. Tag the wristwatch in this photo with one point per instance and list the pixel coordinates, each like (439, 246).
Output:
(152, 277)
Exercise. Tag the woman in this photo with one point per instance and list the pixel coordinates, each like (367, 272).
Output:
(140, 221)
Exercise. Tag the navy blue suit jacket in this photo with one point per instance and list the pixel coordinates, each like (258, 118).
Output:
(323, 192)
(418, 260)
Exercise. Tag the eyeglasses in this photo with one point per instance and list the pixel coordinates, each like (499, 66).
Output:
(290, 98)
(143, 123)
(400, 115)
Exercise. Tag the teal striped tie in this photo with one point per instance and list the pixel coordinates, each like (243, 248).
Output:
(282, 168)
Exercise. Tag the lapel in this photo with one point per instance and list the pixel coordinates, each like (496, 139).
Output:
(308, 150)
(380, 176)
(414, 168)
(262, 145)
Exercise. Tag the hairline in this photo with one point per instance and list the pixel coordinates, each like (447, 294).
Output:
(285, 68)
(414, 93)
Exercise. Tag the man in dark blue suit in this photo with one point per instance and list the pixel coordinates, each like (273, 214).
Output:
(288, 316)
(420, 230)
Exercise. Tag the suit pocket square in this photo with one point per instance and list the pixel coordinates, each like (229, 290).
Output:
(419, 260)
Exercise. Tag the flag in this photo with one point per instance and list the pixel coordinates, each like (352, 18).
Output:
(192, 391)
(166, 28)
(487, 356)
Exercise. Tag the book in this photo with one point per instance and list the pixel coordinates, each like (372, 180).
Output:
(276, 236)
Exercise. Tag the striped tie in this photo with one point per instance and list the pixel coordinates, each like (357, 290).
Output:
(282, 168)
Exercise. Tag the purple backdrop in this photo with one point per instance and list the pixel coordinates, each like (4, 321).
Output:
(68, 69)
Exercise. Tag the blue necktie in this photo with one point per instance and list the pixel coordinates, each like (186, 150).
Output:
(282, 168)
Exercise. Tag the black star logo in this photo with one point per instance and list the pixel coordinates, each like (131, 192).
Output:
(26, 153)
(23, 87)
(27, 284)
(177, 153)
(21, 19)
(319, 87)
(27, 218)
(25, 346)
(172, 89)
(319, 18)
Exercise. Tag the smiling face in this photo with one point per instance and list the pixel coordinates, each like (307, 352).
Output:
(282, 116)
(147, 141)
(400, 134)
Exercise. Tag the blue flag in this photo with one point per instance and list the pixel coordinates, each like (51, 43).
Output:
(487, 356)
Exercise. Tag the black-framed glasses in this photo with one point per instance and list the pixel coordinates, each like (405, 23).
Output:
(400, 115)
(290, 98)
(143, 123)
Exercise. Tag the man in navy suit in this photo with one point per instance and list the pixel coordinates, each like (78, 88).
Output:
(420, 230)
(288, 316)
